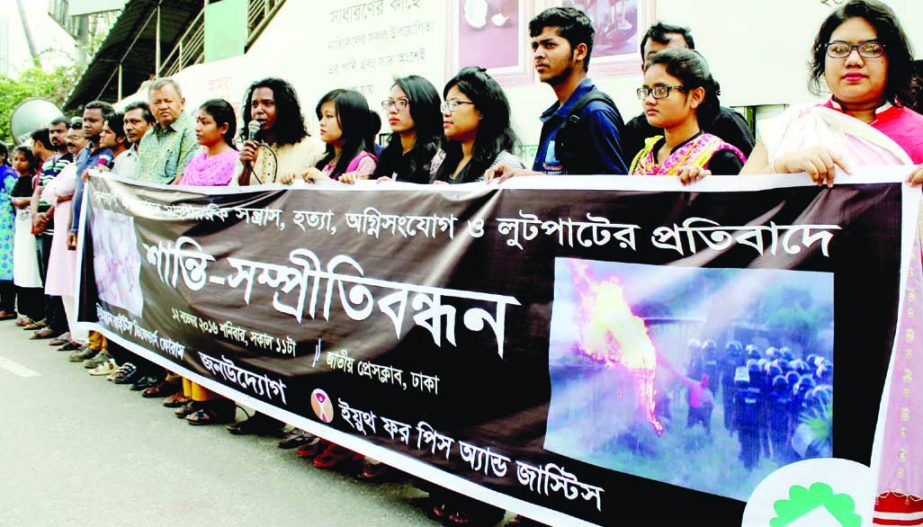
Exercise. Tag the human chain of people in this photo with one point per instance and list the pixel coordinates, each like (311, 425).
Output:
(860, 64)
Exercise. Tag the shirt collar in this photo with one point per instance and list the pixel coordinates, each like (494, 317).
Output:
(172, 127)
(563, 110)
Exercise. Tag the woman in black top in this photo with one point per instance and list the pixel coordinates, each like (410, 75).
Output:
(29, 292)
(416, 131)
(476, 121)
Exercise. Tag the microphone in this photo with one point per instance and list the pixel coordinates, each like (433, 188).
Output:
(252, 128)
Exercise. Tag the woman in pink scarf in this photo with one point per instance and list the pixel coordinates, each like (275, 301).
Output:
(864, 57)
(213, 166)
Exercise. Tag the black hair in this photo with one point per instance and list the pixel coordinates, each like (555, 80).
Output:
(659, 31)
(42, 135)
(571, 24)
(105, 108)
(116, 123)
(223, 113)
(60, 120)
(358, 123)
(901, 85)
(4, 152)
(288, 127)
(427, 124)
(76, 123)
(691, 68)
(494, 134)
(145, 110)
(26, 153)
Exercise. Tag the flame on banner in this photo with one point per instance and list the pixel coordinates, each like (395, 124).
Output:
(610, 333)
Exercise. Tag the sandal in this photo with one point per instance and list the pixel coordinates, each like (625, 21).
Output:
(24, 321)
(176, 400)
(60, 340)
(337, 456)
(44, 333)
(313, 449)
(8, 315)
(187, 409)
(376, 472)
(440, 512)
(522, 521)
(212, 413)
(161, 389)
(35, 325)
(70, 346)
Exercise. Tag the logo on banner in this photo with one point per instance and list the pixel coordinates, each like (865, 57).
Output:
(815, 493)
(320, 403)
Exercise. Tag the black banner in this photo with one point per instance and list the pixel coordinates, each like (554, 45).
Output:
(567, 353)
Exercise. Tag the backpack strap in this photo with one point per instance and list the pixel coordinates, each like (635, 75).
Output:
(594, 95)
(572, 140)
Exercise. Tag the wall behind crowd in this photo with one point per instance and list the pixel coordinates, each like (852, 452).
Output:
(758, 50)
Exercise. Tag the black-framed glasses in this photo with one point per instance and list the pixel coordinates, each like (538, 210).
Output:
(659, 92)
(398, 104)
(870, 49)
(452, 105)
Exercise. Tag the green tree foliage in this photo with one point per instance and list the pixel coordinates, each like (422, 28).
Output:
(32, 83)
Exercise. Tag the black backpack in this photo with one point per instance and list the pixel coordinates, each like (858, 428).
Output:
(573, 145)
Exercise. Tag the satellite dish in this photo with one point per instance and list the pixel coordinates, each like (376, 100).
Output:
(31, 115)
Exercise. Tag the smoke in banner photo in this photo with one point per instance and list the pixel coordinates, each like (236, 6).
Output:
(708, 379)
(116, 261)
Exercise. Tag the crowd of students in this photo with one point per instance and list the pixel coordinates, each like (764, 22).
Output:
(861, 55)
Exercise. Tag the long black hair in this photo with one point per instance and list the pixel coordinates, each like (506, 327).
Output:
(288, 127)
(358, 123)
(427, 124)
(494, 133)
(901, 85)
(692, 70)
(223, 113)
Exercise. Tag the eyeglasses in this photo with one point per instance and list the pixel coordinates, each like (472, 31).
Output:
(452, 105)
(398, 104)
(870, 49)
(659, 92)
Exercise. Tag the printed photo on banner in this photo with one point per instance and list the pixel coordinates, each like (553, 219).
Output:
(492, 34)
(704, 378)
(116, 261)
(619, 26)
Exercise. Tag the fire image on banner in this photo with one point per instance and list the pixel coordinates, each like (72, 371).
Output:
(710, 379)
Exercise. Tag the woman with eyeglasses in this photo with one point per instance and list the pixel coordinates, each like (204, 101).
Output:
(864, 58)
(476, 122)
(416, 131)
(678, 93)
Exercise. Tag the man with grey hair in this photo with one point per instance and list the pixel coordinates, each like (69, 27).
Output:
(168, 146)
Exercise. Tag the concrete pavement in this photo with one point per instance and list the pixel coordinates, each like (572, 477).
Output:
(78, 450)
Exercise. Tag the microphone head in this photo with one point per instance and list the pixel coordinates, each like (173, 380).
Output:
(252, 128)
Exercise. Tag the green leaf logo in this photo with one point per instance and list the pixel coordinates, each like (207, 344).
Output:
(803, 502)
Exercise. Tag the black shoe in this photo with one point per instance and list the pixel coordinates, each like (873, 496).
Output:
(296, 438)
(131, 378)
(145, 382)
(259, 424)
